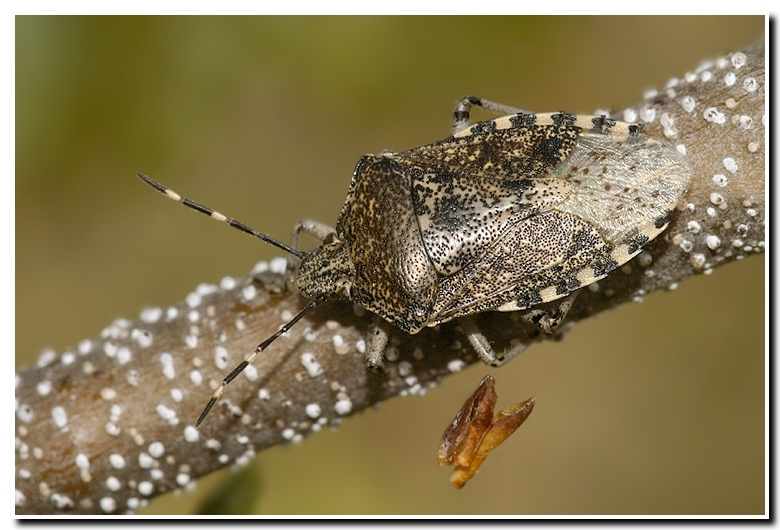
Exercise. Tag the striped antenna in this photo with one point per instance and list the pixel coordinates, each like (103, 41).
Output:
(218, 216)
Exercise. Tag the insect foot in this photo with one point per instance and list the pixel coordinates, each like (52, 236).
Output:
(504, 215)
(474, 432)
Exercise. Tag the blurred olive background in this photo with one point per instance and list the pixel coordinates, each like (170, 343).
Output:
(656, 408)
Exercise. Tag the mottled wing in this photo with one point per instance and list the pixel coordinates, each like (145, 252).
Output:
(622, 185)
(463, 217)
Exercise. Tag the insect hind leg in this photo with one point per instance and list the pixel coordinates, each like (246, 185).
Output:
(461, 115)
(482, 346)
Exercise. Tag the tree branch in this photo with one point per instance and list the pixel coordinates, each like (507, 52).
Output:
(108, 425)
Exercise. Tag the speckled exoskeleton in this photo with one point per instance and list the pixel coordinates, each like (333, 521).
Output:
(503, 215)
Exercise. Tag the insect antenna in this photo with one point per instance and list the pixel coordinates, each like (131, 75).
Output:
(218, 216)
(251, 357)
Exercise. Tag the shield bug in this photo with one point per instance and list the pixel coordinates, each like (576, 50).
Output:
(503, 215)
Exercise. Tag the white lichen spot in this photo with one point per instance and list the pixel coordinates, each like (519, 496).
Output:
(278, 265)
(360, 346)
(730, 164)
(46, 358)
(85, 346)
(264, 394)
(288, 433)
(193, 316)
(313, 410)
(644, 258)
(191, 341)
(713, 115)
(68, 357)
(20, 499)
(116, 460)
(737, 243)
(694, 227)
(751, 212)
(196, 377)
(650, 93)
(730, 78)
(720, 180)
(752, 147)
(750, 84)
(193, 299)
(629, 115)
(151, 314)
(171, 313)
(745, 122)
(108, 504)
(706, 76)
(59, 416)
(731, 103)
(681, 149)
(698, 260)
(191, 434)
(107, 394)
(455, 365)
(240, 326)
(713, 242)
(124, 355)
(133, 503)
(156, 449)
(82, 461)
(177, 395)
(182, 479)
(227, 283)
(343, 407)
(110, 348)
(688, 103)
(716, 198)
(145, 461)
(43, 388)
(311, 365)
(404, 368)
(686, 245)
(340, 345)
(167, 414)
(221, 357)
(647, 114)
(112, 429)
(113, 484)
(712, 212)
(249, 292)
(738, 60)
(260, 267)
(133, 377)
(251, 373)
(145, 488)
(24, 473)
(167, 362)
(213, 444)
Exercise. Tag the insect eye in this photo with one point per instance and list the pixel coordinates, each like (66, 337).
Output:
(329, 239)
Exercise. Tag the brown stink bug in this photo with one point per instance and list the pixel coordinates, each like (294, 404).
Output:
(501, 216)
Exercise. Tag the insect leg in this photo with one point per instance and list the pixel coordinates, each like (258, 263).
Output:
(549, 319)
(315, 229)
(377, 344)
(481, 345)
(461, 116)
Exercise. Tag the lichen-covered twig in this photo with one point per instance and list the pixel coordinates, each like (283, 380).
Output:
(109, 424)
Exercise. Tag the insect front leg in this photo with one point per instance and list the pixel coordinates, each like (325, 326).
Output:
(482, 346)
(550, 318)
(461, 116)
(376, 345)
(308, 226)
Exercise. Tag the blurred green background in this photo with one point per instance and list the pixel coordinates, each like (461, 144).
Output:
(654, 408)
